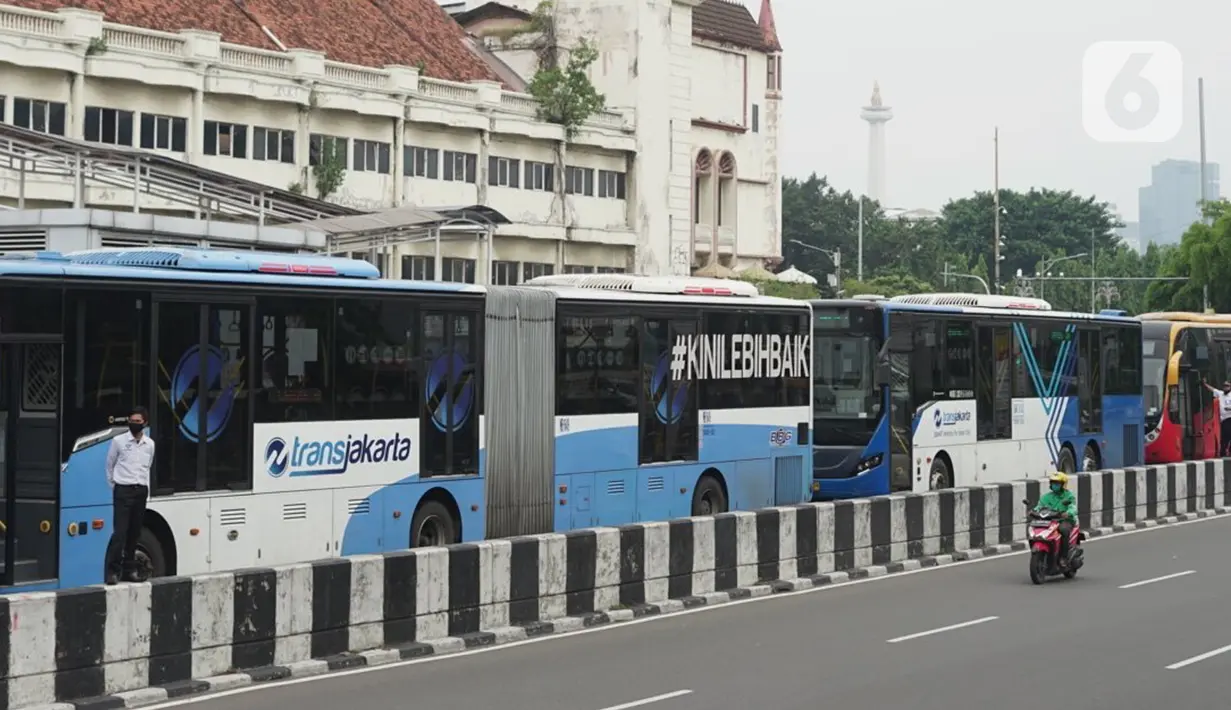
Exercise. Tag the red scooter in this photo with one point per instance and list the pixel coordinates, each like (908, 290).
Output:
(1043, 536)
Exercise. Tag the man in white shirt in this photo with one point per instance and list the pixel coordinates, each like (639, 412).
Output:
(129, 461)
(1224, 412)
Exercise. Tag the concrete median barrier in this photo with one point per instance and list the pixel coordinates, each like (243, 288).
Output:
(138, 644)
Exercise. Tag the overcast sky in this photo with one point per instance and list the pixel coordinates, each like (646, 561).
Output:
(953, 70)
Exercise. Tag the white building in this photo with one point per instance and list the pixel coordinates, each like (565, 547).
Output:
(704, 81)
(235, 98)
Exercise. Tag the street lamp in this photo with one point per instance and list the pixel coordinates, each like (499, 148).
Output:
(834, 256)
(1046, 266)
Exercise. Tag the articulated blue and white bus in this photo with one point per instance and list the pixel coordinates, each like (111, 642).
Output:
(304, 408)
(934, 391)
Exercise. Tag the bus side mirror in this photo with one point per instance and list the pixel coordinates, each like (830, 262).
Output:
(883, 373)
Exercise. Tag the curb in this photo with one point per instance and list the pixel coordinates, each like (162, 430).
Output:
(454, 644)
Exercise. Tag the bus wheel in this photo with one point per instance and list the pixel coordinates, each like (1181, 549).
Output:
(150, 558)
(708, 498)
(1090, 459)
(432, 526)
(1065, 462)
(940, 477)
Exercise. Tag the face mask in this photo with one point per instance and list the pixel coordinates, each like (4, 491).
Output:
(1056, 488)
(136, 428)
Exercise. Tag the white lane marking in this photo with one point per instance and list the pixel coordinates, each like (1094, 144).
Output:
(1164, 578)
(943, 629)
(1198, 659)
(643, 620)
(649, 701)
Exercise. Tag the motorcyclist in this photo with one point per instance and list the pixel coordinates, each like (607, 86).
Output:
(1061, 500)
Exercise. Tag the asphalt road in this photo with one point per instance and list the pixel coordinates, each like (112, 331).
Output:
(1083, 644)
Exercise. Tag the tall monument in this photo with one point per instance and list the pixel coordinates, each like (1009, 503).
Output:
(877, 114)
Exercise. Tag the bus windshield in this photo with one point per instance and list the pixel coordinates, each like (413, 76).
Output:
(1154, 377)
(842, 375)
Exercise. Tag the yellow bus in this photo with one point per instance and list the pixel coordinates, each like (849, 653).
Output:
(1181, 352)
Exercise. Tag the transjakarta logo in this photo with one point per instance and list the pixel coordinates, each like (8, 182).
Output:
(329, 458)
(950, 418)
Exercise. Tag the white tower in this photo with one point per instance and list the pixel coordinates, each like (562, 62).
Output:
(877, 114)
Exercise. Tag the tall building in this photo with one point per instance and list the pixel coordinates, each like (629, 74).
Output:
(1169, 205)
(877, 114)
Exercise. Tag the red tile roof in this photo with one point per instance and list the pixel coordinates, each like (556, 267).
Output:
(728, 22)
(370, 33)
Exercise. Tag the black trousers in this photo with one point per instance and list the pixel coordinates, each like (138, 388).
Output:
(128, 508)
(1066, 529)
(1224, 438)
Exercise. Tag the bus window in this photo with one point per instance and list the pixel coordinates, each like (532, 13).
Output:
(959, 351)
(295, 380)
(596, 364)
(377, 373)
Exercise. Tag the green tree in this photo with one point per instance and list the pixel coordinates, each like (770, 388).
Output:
(1204, 258)
(1033, 225)
(888, 286)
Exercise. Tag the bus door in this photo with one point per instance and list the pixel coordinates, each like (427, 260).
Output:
(1089, 384)
(668, 429)
(448, 425)
(1198, 413)
(30, 384)
(901, 411)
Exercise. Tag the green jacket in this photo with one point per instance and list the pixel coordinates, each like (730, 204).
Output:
(1064, 502)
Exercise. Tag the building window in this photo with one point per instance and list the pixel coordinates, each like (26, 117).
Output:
(164, 132)
(611, 184)
(504, 273)
(457, 270)
(611, 270)
(3, 103)
(502, 172)
(756, 118)
(421, 162)
(540, 176)
(460, 167)
(773, 73)
(319, 143)
(37, 115)
(419, 268)
(370, 157)
(274, 145)
(375, 258)
(578, 269)
(228, 139)
(531, 270)
(579, 181)
(111, 126)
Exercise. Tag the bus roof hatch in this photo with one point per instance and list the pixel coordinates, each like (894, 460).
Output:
(226, 260)
(677, 285)
(974, 300)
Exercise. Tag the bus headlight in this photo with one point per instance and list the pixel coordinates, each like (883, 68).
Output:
(868, 464)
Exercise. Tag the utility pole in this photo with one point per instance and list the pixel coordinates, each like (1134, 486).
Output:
(996, 209)
(859, 256)
(1201, 133)
(1093, 307)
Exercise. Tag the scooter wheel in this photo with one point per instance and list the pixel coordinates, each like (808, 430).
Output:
(1038, 568)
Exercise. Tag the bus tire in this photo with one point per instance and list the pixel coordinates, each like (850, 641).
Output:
(708, 498)
(151, 558)
(1090, 460)
(939, 476)
(433, 525)
(1065, 462)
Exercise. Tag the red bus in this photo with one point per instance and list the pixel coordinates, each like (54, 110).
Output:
(1180, 353)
